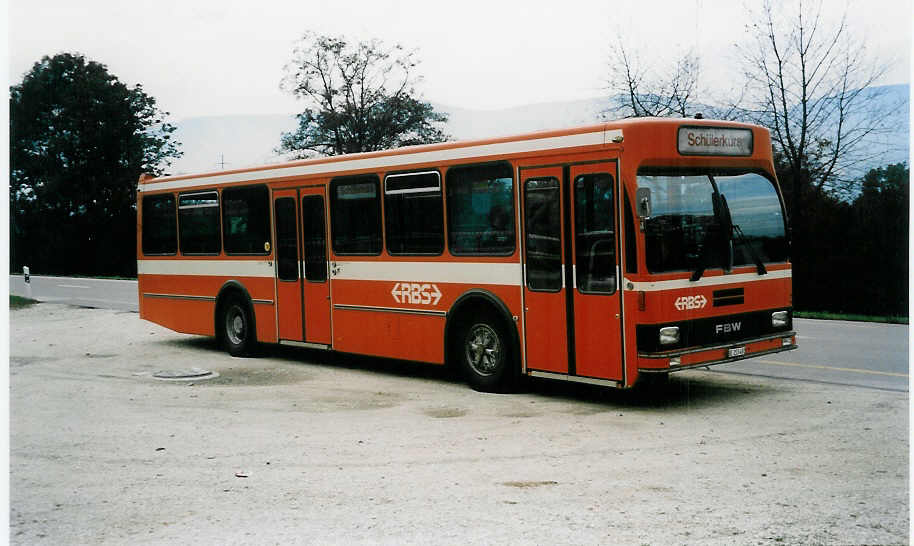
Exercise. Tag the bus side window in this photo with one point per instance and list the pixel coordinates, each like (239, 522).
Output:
(355, 215)
(480, 209)
(246, 220)
(198, 223)
(413, 213)
(160, 234)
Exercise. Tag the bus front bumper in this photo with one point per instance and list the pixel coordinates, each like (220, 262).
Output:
(683, 359)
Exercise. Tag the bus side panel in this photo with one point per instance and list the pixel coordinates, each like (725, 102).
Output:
(388, 318)
(391, 335)
(187, 303)
(185, 316)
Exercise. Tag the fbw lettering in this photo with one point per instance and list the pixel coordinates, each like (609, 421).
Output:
(416, 293)
(727, 328)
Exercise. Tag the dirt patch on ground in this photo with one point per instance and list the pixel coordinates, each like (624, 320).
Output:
(306, 444)
(528, 485)
(444, 413)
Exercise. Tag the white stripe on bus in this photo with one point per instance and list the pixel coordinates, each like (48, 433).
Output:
(210, 268)
(509, 274)
(679, 284)
(465, 152)
(443, 272)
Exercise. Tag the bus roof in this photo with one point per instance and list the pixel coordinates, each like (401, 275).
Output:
(596, 135)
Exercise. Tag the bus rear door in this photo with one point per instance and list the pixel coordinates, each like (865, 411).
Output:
(302, 290)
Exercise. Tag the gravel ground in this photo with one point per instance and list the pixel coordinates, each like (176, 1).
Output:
(306, 447)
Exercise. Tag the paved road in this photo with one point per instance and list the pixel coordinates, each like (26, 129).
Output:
(847, 353)
(100, 293)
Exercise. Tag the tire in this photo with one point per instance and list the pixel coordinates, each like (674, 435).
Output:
(236, 325)
(485, 355)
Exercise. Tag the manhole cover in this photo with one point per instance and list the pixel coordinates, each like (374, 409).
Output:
(185, 375)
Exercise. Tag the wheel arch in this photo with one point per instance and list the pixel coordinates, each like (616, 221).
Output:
(478, 298)
(229, 288)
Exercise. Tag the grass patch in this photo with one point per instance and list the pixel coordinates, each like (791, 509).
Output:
(823, 315)
(17, 302)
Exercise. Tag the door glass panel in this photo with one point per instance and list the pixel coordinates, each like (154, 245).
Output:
(595, 238)
(543, 248)
(312, 214)
(286, 243)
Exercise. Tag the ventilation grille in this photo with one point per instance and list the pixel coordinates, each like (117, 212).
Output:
(730, 296)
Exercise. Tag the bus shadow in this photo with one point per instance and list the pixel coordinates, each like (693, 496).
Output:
(691, 389)
(686, 390)
(373, 364)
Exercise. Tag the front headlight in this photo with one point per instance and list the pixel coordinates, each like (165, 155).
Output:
(779, 319)
(669, 335)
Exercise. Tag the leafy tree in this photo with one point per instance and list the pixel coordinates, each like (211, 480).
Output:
(879, 240)
(360, 97)
(79, 139)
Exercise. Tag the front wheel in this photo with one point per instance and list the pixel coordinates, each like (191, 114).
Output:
(485, 356)
(237, 328)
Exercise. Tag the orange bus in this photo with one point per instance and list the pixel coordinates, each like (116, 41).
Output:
(596, 254)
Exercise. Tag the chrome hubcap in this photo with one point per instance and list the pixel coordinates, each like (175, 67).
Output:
(234, 325)
(483, 349)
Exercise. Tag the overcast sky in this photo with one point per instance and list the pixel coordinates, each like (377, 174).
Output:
(202, 57)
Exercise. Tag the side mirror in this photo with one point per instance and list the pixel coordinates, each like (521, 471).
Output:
(643, 200)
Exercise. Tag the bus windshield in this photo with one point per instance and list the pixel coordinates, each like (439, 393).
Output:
(685, 232)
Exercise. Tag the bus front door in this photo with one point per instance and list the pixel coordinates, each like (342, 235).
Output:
(302, 290)
(288, 278)
(572, 303)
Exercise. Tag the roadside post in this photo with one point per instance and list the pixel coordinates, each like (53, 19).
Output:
(28, 281)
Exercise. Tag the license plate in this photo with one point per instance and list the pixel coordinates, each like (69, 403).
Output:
(736, 351)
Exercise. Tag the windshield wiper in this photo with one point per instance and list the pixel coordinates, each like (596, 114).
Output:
(740, 237)
(759, 266)
(701, 265)
(722, 218)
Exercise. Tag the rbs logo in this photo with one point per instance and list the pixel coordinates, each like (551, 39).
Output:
(690, 302)
(416, 293)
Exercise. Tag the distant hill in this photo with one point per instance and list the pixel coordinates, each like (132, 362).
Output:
(246, 140)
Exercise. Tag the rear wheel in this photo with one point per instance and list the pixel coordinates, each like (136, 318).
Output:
(237, 327)
(485, 355)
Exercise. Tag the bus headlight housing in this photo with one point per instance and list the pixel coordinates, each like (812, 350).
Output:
(779, 319)
(669, 335)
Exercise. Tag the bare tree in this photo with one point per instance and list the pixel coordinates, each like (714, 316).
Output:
(811, 84)
(672, 90)
(359, 97)
(637, 91)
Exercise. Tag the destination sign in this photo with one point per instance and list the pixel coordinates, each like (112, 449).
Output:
(715, 141)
